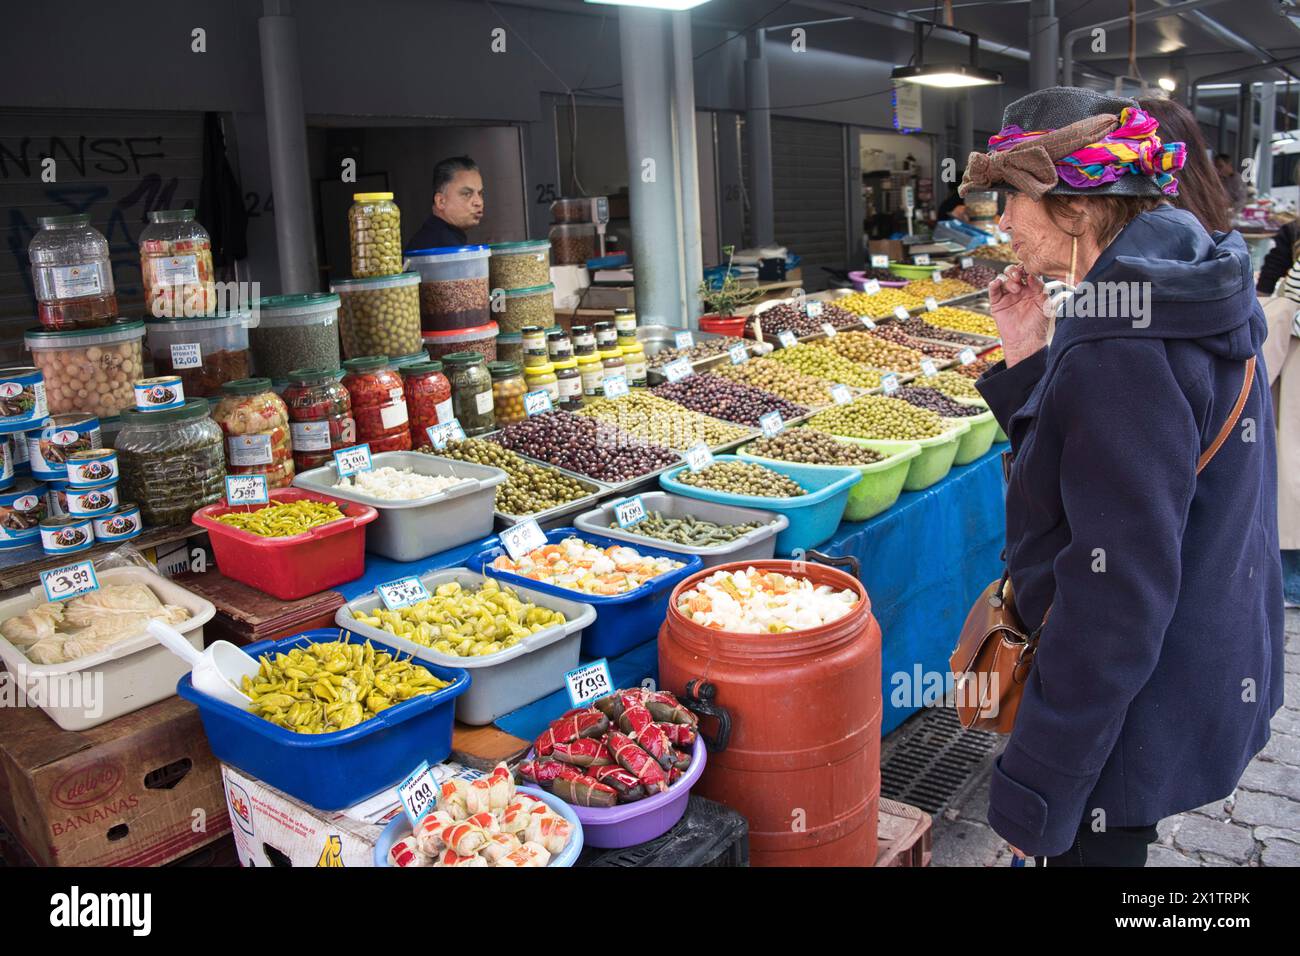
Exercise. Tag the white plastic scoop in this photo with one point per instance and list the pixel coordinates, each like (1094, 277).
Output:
(217, 671)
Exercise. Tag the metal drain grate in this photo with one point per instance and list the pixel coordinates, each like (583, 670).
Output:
(930, 760)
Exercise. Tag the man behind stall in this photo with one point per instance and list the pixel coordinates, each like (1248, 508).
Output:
(457, 205)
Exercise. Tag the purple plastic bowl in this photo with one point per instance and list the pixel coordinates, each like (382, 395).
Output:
(859, 280)
(631, 823)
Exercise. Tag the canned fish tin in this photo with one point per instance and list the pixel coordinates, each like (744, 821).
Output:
(92, 466)
(157, 394)
(119, 525)
(66, 535)
(22, 397)
(22, 509)
(7, 461)
(58, 436)
(88, 502)
(56, 498)
(22, 455)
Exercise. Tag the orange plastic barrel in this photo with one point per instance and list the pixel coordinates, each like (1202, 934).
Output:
(802, 763)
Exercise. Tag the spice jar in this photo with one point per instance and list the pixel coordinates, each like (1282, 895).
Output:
(255, 422)
(172, 462)
(570, 383)
(428, 399)
(606, 336)
(378, 403)
(634, 363)
(541, 378)
(375, 232)
(320, 416)
(508, 390)
(558, 346)
(592, 371)
(72, 273)
(625, 323)
(471, 392)
(176, 266)
(584, 340)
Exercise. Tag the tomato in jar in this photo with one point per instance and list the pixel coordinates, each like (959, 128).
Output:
(428, 399)
(320, 416)
(378, 403)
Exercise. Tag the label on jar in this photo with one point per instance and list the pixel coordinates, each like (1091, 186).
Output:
(771, 424)
(187, 355)
(930, 303)
(349, 461)
(928, 369)
(538, 402)
(615, 385)
(522, 538)
(966, 356)
(684, 340)
(70, 282)
(483, 402)
(570, 386)
(246, 490)
(813, 309)
(921, 259)
(739, 354)
(176, 270)
(868, 323)
(879, 262)
(246, 450)
(310, 436)
(444, 432)
(443, 411)
(967, 262)
(678, 369)
(901, 312)
(390, 416)
(840, 394)
(698, 457)
(871, 286)
(889, 383)
(829, 330)
(629, 512)
(788, 339)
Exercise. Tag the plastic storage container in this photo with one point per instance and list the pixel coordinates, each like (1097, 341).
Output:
(72, 273)
(756, 545)
(531, 305)
(454, 292)
(135, 672)
(572, 244)
(89, 371)
(519, 265)
(935, 460)
(255, 422)
(480, 338)
(510, 347)
(171, 462)
(571, 210)
(428, 399)
(415, 529)
(379, 316)
(294, 566)
(176, 266)
(204, 352)
(375, 235)
(296, 331)
(378, 403)
(813, 517)
(320, 416)
(622, 621)
(501, 682)
(335, 770)
(979, 439)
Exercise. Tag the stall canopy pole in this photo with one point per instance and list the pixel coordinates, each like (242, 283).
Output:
(1044, 44)
(286, 139)
(688, 163)
(1245, 121)
(1267, 109)
(646, 50)
(758, 123)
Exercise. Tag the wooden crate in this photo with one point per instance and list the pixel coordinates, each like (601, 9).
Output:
(903, 836)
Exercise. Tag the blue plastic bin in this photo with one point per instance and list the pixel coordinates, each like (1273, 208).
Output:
(813, 517)
(623, 621)
(333, 771)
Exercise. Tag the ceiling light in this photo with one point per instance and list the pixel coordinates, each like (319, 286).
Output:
(1167, 84)
(656, 4)
(945, 75)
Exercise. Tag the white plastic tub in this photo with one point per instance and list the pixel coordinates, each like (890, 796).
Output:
(135, 673)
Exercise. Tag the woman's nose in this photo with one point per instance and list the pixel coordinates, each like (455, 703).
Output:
(1004, 221)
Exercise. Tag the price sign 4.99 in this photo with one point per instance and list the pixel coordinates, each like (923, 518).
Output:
(588, 682)
(629, 512)
(69, 581)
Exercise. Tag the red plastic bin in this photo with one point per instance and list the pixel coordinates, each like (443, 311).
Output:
(296, 566)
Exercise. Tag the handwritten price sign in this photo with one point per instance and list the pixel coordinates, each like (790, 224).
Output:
(879, 262)
(889, 383)
(349, 461)
(739, 354)
(538, 403)
(683, 340)
(69, 581)
(788, 339)
(629, 512)
(589, 682)
(615, 385)
(402, 592)
(522, 538)
(771, 424)
(246, 490)
(418, 793)
(698, 457)
(678, 369)
(444, 432)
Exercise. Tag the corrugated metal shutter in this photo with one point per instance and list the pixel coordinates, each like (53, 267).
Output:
(808, 166)
(118, 165)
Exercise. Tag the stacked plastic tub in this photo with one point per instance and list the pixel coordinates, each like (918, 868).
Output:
(522, 292)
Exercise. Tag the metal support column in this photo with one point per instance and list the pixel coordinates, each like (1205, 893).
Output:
(1245, 122)
(1044, 44)
(688, 163)
(1267, 111)
(646, 50)
(286, 141)
(758, 124)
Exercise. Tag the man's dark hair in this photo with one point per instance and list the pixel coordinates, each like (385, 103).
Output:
(447, 169)
(1223, 158)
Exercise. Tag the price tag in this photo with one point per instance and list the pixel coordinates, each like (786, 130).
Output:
(538, 402)
(739, 354)
(872, 286)
(418, 794)
(629, 512)
(771, 424)
(966, 356)
(921, 259)
(349, 461)
(879, 262)
(403, 591)
(841, 394)
(928, 369)
(889, 383)
(589, 682)
(931, 303)
(936, 278)
(678, 369)
(967, 262)
(186, 355)
(445, 432)
(684, 340)
(615, 386)
(869, 323)
(829, 330)
(246, 490)
(901, 312)
(788, 339)
(698, 457)
(522, 538)
(813, 309)
(69, 581)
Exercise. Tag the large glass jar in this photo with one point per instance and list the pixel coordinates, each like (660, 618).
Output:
(176, 266)
(428, 399)
(379, 316)
(508, 390)
(172, 462)
(375, 230)
(471, 392)
(378, 403)
(320, 416)
(255, 422)
(91, 370)
(72, 273)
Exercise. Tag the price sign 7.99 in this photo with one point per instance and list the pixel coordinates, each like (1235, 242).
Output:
(588, 682)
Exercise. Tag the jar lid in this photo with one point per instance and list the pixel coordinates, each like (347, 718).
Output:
(603, 324)
(624, 310)
(503, 369)
(450, 253)
(218, 320)
(366, 363)
(555, 332)
(57, 222)
(475, 334)
(613, 353)
(549, 288)
(631, 348)
(514, 248)
(172, 215)
(590, 359)
(546, 368)
(531, 330)
(506, 339)
(423, 368)
(370, 197)
(565, 364)
(314, 376)
(376, 282)
(71, 338)
(320, 305)
(413, 358)
(246, 386)
(460, 359)
(193, 408)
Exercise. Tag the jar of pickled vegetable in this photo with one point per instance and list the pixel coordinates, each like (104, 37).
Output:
(176, 266)
(255, 423)
(592, 371)
(320, 416)
(72, 273)
(534, 338)
(541, 378)
(625, 323)
(584, 340)
(375, 231)
(378, 403)
(428, 399)
(471, 392)
(172, 461)
(558, 346)
(570, 382)
(634, 363)
(508, 390)
(606, 336)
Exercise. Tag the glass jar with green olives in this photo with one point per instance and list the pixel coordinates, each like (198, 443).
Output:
(471, 392)
(508, 390)
(375, 232)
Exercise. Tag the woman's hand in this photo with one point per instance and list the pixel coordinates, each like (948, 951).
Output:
(1017, 301)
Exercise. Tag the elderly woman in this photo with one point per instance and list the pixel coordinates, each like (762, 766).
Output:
(1161, 662)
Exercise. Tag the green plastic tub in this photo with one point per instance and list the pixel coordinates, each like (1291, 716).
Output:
(979, 439)
(932, 464)
(1000, 435)
(908, 271)
(881, 482)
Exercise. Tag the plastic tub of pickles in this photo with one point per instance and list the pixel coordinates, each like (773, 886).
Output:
(516, 643)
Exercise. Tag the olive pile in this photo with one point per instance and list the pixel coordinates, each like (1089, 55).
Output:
(954, 385)
(883, 275)
(780, 379)
(875, 416)
(700, 350)
(866, 349)
(925, 330)
(941, 290)
(786, 317)
(936, 402)
(813, 448)
(978, 276)
(963, 320)
(975, 369)
(586, 446)
(742, 478)
(880, 303)
(688, 530)
(723, 398)
(890, 332)
(528, 488)
(1002, 252)
(663, 422)
(825, 364)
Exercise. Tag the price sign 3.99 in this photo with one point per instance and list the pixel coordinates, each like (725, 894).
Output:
(69, 581)
(588, 682)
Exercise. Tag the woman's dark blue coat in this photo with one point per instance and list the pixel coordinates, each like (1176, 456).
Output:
(1161, 662)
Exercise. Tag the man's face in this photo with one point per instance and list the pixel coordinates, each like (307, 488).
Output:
(1223, 166)
(461, 201)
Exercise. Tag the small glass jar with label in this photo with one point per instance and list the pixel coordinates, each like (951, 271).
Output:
(558, 346)
(471, 392)
(584, 340)
(634, 363)
(606, 336)
(508, 388)
(255, 423)
(72, 273)
(535, 357)
(611, 361)
(176, 266)
(625, 323)
(592, 373)
(378, 403)
(569, 380)
(428, 399)
(320, 416)
(534, 337)
(542, 378)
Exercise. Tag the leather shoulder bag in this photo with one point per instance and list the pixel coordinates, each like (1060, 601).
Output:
(994, 653)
